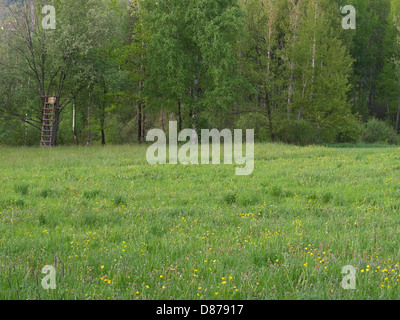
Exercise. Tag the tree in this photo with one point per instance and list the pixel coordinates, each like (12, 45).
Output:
(192, 54)
(53, 62)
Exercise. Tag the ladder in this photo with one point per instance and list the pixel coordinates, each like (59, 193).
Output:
(47, 121)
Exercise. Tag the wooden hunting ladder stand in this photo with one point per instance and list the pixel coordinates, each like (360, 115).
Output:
(48, 121)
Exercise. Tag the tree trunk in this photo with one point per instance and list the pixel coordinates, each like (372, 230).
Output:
(398, 117)
(162, 120)
(74, 130)
(88, 123)
(268, 108)
(143, 125)
(387, 109)
(194, 111)
(103, 137)
(179, 116)
(294, 22)
(314, 50)
(139, 122)
(54, 132)
(103, 119)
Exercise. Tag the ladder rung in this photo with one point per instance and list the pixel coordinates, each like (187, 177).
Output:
(48, 120)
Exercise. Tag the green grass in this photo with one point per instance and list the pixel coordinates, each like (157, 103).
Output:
(117, 228)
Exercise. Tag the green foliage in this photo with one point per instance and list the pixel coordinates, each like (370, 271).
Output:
(284, 68)
(349, 130)
(191, 56)
(256, 121)
(230, 198)
(379, 131)
(297, 132)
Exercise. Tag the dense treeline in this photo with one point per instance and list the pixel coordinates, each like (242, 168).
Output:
(286, 68)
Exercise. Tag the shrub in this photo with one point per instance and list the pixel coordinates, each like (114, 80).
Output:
(257, 122)
(379, 131)
(350, 131)
(301, 133)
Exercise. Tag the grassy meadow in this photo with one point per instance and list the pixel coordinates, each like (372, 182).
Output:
(116, 227)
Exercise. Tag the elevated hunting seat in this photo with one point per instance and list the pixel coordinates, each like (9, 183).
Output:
(47, 121)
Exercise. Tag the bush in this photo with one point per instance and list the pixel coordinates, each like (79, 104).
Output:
(379, 131)
(257, 122)
(301, 133)
(350, 131)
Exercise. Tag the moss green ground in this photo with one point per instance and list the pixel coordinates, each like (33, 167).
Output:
(117, 228)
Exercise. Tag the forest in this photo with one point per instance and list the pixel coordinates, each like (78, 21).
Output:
(287, 69)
